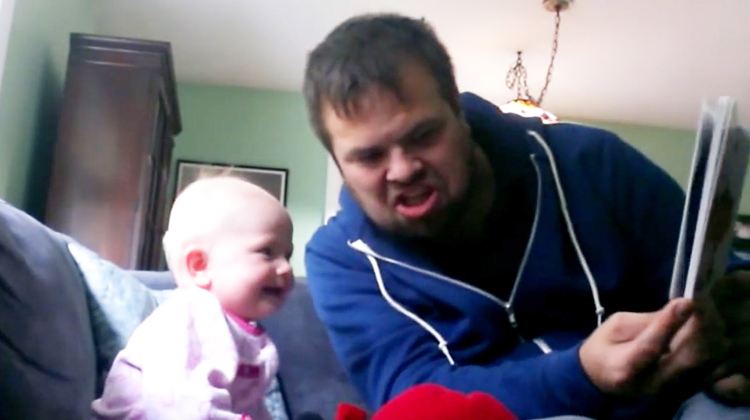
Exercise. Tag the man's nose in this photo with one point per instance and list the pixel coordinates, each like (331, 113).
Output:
(402, 167)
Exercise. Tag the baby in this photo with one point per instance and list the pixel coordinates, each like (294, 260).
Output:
(201, 355)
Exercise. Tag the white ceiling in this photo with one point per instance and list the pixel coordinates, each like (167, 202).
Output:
(636, 61)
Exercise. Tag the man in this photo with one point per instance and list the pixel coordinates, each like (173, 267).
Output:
(480, 251)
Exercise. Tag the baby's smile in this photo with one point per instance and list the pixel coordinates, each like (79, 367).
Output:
(275, 292)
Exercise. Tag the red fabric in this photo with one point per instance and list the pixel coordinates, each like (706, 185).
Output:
(433, 402)
(350, 412)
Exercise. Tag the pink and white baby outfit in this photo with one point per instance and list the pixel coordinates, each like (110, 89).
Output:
(190, 360)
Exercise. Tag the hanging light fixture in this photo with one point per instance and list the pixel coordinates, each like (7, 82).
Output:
(525, 104)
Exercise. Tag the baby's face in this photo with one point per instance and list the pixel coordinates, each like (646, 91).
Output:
(249, 263)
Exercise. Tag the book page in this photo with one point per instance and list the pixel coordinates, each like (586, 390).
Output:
(710, 259)
(712, 200)
(692, 204)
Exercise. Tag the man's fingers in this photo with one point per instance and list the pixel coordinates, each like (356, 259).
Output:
(649, 347)
(692, 349)
(626, 326)
(637, 342)
(656, 337)
(684, 334)
(676, 363)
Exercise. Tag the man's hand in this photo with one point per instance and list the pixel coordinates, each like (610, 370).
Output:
(677, 348)
(729, 297)
(628, 354)
(697, 349)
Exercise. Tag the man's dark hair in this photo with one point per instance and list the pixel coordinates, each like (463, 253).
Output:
(369, 51)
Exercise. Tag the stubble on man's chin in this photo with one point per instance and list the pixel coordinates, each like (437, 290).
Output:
(464, 218)
(432, 227)
(428, 227)
(444, 225)
(450, 223)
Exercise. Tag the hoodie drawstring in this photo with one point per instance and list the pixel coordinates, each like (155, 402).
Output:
(372, 257)
(442, 344)
(564, 207)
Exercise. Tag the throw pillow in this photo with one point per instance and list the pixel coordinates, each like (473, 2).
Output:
(118, 303)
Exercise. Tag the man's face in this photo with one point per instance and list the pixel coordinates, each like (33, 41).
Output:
(405, 160)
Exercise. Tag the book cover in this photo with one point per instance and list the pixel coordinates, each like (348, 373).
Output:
(717, 175)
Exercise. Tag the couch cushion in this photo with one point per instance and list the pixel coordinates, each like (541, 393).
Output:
(47, 364)
(311, 378)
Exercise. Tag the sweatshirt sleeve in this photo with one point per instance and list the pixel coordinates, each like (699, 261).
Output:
(384, 352)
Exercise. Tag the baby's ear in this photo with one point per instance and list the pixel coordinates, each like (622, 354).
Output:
(196, 263)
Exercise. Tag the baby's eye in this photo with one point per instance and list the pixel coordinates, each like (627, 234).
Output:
(267, 252)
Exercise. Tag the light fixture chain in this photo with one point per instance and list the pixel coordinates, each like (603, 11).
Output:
(552, 58)
(517, 79)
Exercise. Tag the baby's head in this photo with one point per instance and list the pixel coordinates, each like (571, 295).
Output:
(234, 239)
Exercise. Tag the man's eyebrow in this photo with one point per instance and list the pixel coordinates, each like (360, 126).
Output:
(360, 152)
(421, 126)
(412, 132)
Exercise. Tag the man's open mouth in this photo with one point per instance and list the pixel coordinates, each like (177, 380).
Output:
(417, 204)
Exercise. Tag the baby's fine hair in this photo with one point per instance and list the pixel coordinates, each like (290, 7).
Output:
(170, 241)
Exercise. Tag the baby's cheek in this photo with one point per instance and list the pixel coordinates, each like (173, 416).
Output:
(264, 308)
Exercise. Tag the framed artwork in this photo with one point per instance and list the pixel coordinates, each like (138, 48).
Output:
(273, 180)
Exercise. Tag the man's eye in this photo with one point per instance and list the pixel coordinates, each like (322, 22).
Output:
(267, 252)
(370, 157)
(426, 137)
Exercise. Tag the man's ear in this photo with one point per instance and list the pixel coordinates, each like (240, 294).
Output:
(196, 263)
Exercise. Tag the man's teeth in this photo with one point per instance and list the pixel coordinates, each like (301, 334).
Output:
(415, 199)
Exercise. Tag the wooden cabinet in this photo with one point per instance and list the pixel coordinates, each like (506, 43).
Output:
(118, 119)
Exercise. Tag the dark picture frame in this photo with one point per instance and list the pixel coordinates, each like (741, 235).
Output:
(273, 180)
(741, 240)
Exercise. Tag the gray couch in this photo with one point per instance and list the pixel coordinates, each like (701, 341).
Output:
(48, 355)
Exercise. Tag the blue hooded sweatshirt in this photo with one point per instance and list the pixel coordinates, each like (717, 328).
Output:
(603, 238)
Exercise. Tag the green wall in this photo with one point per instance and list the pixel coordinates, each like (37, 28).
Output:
(669, 148)
(30, 94)
(259, 128)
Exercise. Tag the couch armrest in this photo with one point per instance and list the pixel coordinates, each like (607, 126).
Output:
(47, 357)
